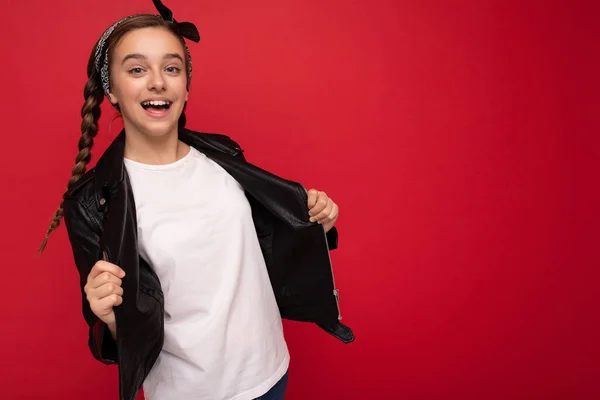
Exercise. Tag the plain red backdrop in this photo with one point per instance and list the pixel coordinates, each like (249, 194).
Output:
(457, 137)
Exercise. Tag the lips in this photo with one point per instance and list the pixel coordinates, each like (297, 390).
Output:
(157, 108)
(156, 104)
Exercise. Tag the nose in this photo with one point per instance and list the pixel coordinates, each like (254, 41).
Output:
(156, 82)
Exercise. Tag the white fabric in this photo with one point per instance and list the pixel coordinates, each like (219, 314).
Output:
(223, 331)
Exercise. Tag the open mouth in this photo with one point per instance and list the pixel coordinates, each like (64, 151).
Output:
(156, 105)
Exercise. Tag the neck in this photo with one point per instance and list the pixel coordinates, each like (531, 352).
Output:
(154, 150)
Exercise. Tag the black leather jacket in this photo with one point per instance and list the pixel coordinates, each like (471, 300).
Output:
(100, 216)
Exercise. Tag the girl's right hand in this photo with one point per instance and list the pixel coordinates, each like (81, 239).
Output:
(103, 291)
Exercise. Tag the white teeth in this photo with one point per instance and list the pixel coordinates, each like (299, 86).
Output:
(155, 103)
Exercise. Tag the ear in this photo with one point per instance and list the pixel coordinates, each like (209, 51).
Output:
(112, 99)
(186, 95)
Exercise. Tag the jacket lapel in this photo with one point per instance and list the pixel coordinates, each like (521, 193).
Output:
(119, 236)
(268, 189)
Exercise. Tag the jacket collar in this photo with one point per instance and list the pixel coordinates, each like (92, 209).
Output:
(109, 170)
(283, 198)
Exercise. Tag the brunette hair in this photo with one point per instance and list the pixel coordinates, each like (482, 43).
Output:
(94, 95)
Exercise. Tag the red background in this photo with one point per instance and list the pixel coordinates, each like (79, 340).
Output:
(457, 137)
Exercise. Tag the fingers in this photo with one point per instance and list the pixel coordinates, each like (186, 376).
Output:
(103, 278)
(106, 290)
(330, 220)
(330, 214)
(104, 298)
(317, 203)
(312, 197)
(104, 306)
(103, 289)
(333, 214)
(322, 210)
(103, 266)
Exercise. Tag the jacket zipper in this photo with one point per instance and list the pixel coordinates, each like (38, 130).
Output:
(336, 291)
(107, 259)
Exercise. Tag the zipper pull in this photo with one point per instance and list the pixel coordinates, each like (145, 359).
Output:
(336, 293)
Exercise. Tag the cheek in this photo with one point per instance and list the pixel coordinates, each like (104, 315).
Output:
(130, 89)
(180, 87)
(126, 92)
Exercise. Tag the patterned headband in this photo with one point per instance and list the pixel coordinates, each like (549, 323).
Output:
(185, 29)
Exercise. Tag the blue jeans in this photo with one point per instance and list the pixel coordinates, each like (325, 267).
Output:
(277, 392)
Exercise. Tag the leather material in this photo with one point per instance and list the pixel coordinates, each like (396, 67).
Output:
(100, 217)
(339, 331)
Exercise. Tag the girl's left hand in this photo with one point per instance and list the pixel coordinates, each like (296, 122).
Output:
(322, 209)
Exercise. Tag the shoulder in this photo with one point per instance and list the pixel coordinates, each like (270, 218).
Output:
(82, 188)
(221, 138)
(217, 141)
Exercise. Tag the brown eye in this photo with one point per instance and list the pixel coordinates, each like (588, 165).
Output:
(173, 69)
(136, 70)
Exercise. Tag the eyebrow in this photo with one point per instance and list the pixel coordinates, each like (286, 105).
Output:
(138, 56)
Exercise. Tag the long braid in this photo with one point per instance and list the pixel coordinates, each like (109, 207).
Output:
(90, 113)
(94, 94)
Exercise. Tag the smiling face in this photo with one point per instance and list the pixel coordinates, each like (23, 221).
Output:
(149, 81)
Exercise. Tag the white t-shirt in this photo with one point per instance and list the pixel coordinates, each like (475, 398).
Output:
(223, 331)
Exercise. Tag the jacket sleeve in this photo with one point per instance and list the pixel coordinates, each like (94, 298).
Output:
(332, 238)
(84, 241)
(332, 234)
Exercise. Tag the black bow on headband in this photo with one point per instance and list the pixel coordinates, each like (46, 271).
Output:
(185, 29)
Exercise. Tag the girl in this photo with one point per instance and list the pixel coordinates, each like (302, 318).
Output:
(188, 255)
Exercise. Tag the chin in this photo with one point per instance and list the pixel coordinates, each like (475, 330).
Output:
(159, 128)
